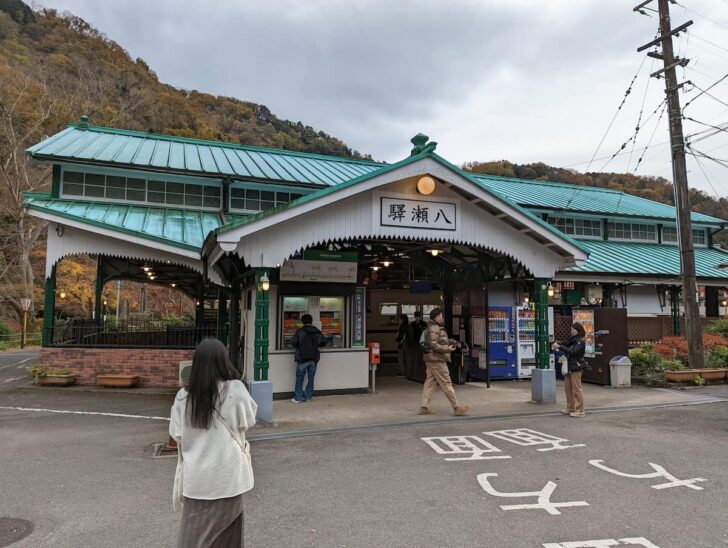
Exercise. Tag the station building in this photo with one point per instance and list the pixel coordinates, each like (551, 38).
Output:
(259, 237)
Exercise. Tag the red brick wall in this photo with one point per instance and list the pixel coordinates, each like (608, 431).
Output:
(156, 367)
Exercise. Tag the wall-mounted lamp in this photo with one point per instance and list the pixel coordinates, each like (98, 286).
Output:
(550, 290)
(426, 185)
(264, 282)
(63, 294)
(526, 299)
(174, 284)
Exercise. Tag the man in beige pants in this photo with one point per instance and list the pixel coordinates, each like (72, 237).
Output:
(436, 361)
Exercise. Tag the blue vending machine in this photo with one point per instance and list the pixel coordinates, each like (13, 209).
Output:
(501, 343)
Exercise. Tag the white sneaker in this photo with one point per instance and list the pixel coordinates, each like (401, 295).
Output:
(294, 400)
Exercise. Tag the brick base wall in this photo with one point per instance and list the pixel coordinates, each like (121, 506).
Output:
(156, 367)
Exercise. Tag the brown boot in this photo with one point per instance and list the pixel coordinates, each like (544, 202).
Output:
(425, 411)
(461, 410)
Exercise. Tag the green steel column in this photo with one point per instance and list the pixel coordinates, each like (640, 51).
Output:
(675, 310)
(49, 308)
(99, 289)
(260, 360)
(542, 322)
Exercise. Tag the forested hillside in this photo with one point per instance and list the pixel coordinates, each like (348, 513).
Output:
(658, 189)
(56, 67)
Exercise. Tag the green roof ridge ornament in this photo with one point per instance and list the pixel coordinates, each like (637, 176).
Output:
(83, 122)
(421, 144)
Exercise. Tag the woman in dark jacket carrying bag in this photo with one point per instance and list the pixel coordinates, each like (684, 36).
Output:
(573, 349)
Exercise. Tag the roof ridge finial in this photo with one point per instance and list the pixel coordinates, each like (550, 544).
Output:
(83, 121)
(421, 144)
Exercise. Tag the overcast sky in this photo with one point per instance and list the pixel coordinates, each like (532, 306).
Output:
(522, 80)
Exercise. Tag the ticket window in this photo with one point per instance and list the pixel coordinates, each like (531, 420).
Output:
(328, 315)
(331, 310)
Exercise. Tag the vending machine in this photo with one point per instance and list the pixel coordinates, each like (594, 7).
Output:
(525, 341)
(606, 337)
(501, 343)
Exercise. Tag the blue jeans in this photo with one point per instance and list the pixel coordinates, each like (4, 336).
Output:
(301, 369)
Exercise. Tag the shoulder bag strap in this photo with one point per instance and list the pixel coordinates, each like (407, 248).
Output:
(243, 448)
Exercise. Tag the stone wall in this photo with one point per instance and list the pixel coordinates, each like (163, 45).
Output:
(156, 367)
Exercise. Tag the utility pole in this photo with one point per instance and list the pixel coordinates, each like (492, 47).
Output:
(693, 327)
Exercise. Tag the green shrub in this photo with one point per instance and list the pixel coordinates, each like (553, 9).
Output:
(36, 371)
(698, 380)
(644, 360)
(718, 356)
(719, 327)
(672, 365)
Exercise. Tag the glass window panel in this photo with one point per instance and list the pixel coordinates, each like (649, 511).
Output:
(282, 197)
(136, 195)
(95, 179)
(237, 203)
(295, 196)
(73, 177)
(252, 205)
(116, 193)
(116, 182)
(266, 205)
(267, 196)
(73, 189)
(212, 191)
(155, 197)
(136, 184)
(93, 191)
(156, 186)
(194, 190)
(252, 194)
(175, 199)
(237, 192)
(192, 200)
(177, 188)
(211, 201)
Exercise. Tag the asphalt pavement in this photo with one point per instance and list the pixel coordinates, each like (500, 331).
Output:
(89, 479)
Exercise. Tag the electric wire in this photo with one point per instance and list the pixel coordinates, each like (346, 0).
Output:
(705, 91)
(702, 169)
(654, 131)
(702, 16)
(639, 116)
(619, 108)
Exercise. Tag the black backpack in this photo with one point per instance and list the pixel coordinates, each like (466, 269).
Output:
(425, 341)
(308, 344)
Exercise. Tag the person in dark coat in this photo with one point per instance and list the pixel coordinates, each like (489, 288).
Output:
(404, 336)
(573, 350)
(307, 341)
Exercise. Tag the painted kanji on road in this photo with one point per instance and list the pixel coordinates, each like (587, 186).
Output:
(603, 543)
(543, 497)
(528, 438)
(659, 472)
(465, 447)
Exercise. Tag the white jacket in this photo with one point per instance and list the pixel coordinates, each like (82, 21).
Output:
(210, 463)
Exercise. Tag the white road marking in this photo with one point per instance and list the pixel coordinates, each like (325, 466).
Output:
(26, 360)
(659, 472)
(65, 412)
(603, 543)
(543, 497)
(473, 446)
(11, 379)
(527, 437)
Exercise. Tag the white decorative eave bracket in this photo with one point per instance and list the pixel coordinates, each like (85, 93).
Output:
(271, 247)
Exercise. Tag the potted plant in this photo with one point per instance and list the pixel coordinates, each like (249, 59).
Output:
(118, 381)
(51, 377)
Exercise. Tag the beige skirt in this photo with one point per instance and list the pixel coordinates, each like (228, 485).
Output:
(211, 523)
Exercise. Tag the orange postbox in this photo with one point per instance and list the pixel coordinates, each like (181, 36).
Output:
(374, 353)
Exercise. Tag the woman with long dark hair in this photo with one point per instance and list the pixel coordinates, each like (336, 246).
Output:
(573, 350)
(209, 419)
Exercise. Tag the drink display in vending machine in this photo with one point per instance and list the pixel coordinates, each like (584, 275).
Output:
(525, 341)
(501, 343)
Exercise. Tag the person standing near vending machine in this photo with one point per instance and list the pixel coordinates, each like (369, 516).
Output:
(307, 342)
(573, 350)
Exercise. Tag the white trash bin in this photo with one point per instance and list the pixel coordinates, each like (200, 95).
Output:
(620, 372)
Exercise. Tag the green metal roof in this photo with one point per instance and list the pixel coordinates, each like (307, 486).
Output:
(606, 257)
(560, 196)
(125, 148)
(389, 167)
(183, 228)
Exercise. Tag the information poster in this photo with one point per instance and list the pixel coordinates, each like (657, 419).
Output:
(357, 339)
(477, 324)
(586, 318)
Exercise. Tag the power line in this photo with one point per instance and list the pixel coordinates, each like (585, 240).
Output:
(639, 117)
(644, 151)
(718, 161)
(705, 91)
(711, 43)
(705, 173)
(702, 16)
(619, 108)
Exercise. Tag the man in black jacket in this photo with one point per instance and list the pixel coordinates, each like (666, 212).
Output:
(307, 342)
